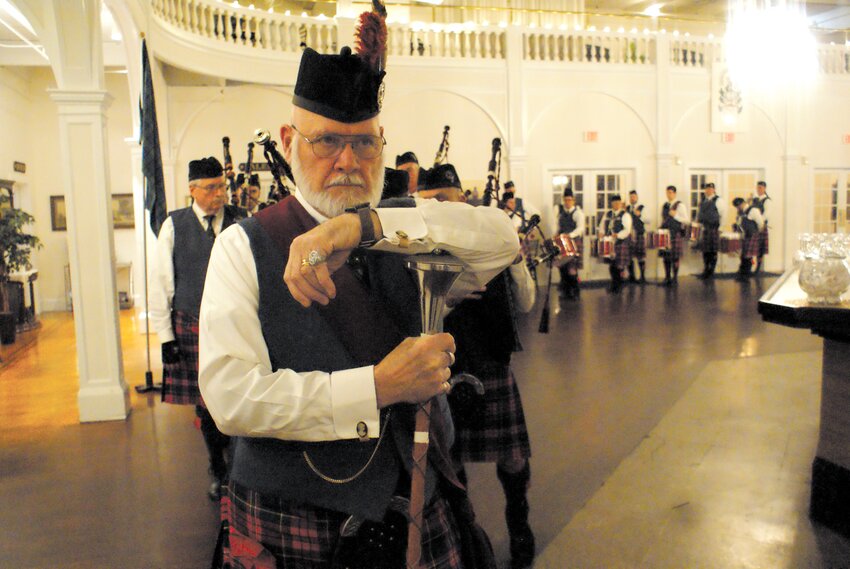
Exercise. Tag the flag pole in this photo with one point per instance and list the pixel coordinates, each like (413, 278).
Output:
(149, 384)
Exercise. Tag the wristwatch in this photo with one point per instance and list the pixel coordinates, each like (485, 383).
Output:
(367, 228)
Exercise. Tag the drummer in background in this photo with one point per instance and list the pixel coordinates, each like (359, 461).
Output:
(617, 224)
(569, 219)
(675, 218)
(760, 201)
(750, 223)
(639, 222)
(710, 215)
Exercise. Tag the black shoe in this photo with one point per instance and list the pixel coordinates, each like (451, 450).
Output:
(522, 548)
(215, 491)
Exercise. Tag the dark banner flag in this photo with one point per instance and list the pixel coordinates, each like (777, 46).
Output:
(151, 154)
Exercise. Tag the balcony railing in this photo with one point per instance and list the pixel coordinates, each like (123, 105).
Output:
(219, 22)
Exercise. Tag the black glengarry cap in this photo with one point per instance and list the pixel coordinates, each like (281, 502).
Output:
(205, 168)
(340, 87)
(406, 158)
(442, 176)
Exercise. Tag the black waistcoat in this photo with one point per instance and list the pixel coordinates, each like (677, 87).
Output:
(708, 214)
(749, 226)
(637, 222)
(485, 330)
(667, 219)
(566, 220)
(191, 255)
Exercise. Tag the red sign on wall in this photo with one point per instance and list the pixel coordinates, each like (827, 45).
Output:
(591, 136)
(847, 139)
(727, 137)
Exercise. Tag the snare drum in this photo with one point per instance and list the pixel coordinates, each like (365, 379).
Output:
(696, 231)
(650, 239)
(662, 238)
(730, 242)
(605, 247)
(566, 246)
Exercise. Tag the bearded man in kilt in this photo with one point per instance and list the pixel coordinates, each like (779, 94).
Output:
(311, 356)
(617, 224)
(750, 223)
(491, 428)
(182, 254)
(710, 216)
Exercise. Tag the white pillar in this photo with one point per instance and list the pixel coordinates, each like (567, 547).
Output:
(103, 394)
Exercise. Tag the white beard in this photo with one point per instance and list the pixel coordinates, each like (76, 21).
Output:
(324, 202)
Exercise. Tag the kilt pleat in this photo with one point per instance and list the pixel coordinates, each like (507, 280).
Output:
(180, 379)
(300, 536)
(498, 431)
(764, 242)
(710, 240)
(750, 247)
(638, 246)
(622, 253)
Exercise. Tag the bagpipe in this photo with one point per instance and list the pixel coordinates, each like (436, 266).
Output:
(494, 167)
(442, 156)
(281, 172)
(229, 173)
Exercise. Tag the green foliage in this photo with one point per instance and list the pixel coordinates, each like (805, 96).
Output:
(15, 245)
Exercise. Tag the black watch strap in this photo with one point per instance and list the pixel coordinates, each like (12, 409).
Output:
(367, 228)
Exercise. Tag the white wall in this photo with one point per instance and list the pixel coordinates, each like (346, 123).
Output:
(561, 101)
(30, 119)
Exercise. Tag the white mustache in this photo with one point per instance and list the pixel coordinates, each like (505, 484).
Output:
(347, 180)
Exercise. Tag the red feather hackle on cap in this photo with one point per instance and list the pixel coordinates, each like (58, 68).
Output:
(371, 37)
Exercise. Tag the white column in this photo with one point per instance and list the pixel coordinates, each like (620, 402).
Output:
(103, 394)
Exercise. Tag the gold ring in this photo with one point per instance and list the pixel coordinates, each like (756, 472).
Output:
(447, 386)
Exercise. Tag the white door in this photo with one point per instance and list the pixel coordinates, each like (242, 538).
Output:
(832, 201)
(730, 184)
(592, 189)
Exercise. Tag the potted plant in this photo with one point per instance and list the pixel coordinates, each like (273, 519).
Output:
(15, 249)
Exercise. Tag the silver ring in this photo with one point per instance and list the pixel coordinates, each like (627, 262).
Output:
(314, 258)
(451, 359)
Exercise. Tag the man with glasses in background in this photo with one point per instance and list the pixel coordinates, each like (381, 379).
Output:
(312, 356)
(181, 257)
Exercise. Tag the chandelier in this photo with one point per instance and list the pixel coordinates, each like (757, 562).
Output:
(769, 46)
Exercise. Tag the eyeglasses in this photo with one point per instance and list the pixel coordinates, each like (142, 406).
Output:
(364, 146)
(212, 187)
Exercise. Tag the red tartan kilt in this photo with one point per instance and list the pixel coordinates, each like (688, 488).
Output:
(578, 260)
(677, 247)
(710, 240)
(622, 253)
(499, 431)
(638, 246)
(750, 247)
(305, 537)
(764, 243)
(180, 380)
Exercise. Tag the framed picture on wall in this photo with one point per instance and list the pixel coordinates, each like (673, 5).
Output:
(58, 222)
(123, 215)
